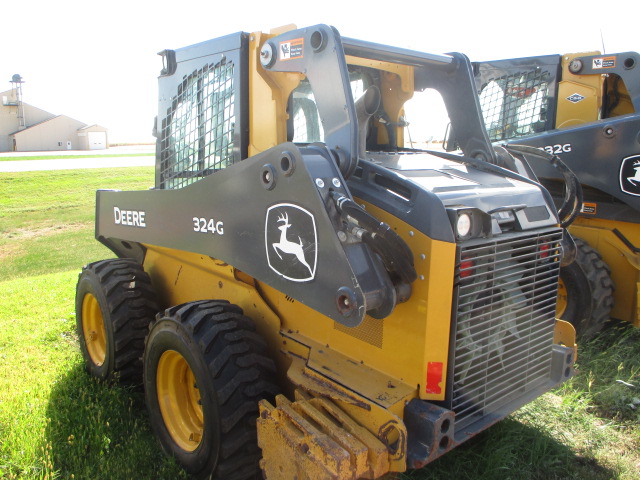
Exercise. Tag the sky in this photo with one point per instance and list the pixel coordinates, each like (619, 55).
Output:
(97, 62)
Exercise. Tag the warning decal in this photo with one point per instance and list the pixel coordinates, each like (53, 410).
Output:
(604, 62)
(292, 49)
(589, 208)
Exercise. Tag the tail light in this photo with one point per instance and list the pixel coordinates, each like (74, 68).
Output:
(466, 268)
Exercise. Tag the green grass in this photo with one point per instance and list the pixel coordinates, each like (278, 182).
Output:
(58, 157)
(53, 251)
(56, 422)
(59, 198)
(46, 218)
(610, 379)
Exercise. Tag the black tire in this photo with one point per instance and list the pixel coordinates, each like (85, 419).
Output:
(589, 291)
(212, 369)
(115, 303)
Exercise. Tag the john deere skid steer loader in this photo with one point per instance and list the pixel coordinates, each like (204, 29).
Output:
(585, 108)
(302, 294)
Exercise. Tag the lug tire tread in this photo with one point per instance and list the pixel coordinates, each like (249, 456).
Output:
(241, 372)
(130, 306)
(598, 277)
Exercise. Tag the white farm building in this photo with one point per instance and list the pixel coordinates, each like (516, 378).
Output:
(25, 128)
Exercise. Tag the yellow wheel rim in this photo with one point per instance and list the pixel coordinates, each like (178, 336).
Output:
(95, 336)
(179, 400)
(561, 305)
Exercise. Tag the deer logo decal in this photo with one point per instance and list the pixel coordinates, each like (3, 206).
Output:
(630, 175)
(291, 242)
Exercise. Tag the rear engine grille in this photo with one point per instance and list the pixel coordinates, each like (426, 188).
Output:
(505, 316)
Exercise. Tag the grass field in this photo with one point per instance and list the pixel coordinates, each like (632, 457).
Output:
(46, 218)
(58, 423)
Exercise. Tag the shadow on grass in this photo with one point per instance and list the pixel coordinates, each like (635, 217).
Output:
(101, 431)
(511, 450)
(610, 365)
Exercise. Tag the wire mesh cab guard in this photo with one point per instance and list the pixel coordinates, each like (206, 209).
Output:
(202, 110)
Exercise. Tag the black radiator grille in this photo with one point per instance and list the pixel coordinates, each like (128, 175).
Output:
(505, 317)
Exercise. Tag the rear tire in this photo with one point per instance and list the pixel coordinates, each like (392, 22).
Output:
(114, 305)
(588, 291)
(205, 370)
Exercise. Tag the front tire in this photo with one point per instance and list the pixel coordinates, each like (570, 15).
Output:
(586, 291)
(114, 305)
(205, 370)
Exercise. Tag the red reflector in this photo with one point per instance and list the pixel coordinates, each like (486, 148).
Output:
(544, 250)
(466, 268)
(434, 377)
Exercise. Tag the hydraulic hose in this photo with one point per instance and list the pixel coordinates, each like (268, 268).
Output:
(573, 193)
(394, 252)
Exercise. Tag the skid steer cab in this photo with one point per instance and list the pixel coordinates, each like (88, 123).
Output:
(584, 108)
(304, 295)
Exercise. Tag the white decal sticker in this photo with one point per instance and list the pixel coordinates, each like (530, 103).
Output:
(557, 149)
(291, 242)
(132, 218)
(604, 62)
(630, 175)
(292, 49)
(207, 225)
